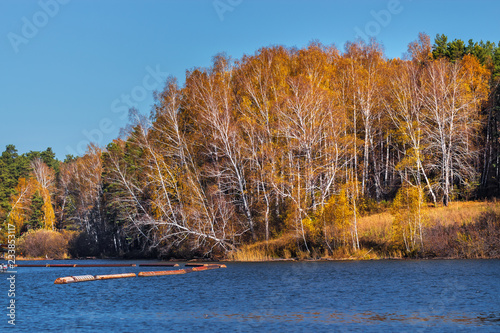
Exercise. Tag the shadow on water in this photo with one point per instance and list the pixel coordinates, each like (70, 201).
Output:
(368, 318)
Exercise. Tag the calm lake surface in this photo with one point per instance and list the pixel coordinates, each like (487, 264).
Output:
(364, 296)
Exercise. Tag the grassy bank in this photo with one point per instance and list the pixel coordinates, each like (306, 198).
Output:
(460, 230)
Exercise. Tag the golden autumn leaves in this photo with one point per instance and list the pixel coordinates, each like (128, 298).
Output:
(286, 141)
(40, 183)
(293, 141)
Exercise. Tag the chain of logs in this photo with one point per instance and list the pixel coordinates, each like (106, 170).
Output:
(83, 278)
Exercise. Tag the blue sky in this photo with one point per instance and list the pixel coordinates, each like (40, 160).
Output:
(69, 69)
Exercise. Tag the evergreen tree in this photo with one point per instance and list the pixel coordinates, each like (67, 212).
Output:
(36, 217)
(440, 48)
(456, 50)
(10, 170)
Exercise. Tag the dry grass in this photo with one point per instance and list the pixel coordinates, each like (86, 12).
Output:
(249, 253)
(284, 247)
(458, 212)
(378, 226)
(375, 231)
(350, 254)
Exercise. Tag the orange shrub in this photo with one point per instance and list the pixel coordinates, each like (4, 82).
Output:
(44, 243)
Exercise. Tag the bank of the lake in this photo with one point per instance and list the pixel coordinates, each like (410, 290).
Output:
(462, 230)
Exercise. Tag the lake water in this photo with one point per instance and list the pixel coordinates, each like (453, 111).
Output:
(364, 296)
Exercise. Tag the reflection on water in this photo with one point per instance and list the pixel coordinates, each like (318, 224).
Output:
(365, 317)
(374, 296)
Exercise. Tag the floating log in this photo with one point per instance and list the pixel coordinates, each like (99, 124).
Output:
(205, 267)
(114, 276)
(208, 267)
(160, 264)
(84, 278)
(72, 279)
(105, 265)
(75, 265)
(158, 273)
(199, 269)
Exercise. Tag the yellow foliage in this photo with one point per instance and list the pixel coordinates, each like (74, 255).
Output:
(338, 215)
(48, 211)
(21, 202)
(408, 218)
(475, 79)
(312, 227)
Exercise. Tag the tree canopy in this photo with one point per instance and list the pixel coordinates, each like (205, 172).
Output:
(286, 141)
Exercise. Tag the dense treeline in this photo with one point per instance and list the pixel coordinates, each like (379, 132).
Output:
(287, 142)
(16, 171)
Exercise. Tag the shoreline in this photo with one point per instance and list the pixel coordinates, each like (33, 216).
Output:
(263, 261)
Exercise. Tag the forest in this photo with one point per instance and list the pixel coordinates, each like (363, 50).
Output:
(280, 154)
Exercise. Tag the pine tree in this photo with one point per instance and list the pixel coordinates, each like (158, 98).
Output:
(36, 213)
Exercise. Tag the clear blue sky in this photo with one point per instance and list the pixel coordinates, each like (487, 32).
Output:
(66, 70)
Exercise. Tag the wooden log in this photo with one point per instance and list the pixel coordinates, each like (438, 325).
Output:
(72, 279)
(199, 269)
(84, 278)
(64, 280)
(31, 265)
(208, 267)
(205, 265)
(75, 265)
(160, 264)
(158, 273)
(105, 265)
(114, 276)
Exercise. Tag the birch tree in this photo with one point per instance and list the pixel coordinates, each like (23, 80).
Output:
(452, 94)
(211, 104)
